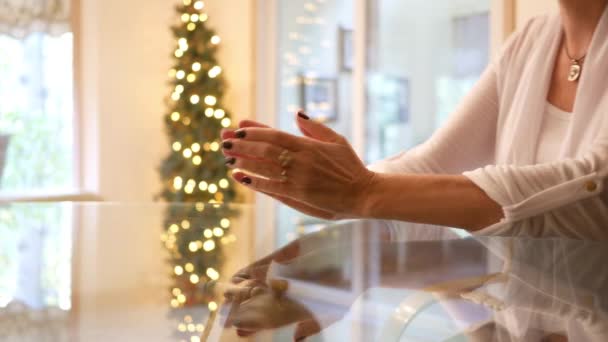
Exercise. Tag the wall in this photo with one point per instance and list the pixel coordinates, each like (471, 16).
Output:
(124, 56)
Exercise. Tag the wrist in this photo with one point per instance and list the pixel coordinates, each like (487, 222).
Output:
(367, 198)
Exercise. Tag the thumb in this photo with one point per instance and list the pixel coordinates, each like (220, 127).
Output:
(306, 329)
(317, 130)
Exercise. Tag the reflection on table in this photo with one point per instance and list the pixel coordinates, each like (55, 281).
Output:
(95, 272)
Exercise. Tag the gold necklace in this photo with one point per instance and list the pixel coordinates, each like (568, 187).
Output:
(576, 66)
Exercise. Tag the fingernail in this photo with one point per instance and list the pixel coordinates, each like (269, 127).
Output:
(299, 339)
(227, 145)
(303, 116)
(230, 161)
(246, 180)
(240, 134)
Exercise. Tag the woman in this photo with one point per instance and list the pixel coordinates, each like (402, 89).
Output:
(502, 164)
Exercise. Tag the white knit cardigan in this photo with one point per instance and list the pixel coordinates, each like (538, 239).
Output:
(492, 137)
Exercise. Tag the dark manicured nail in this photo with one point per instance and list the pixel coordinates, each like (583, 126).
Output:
(246, 180)
(240, 134)
(227, 145)
(300, 339)
(303, 116)
(230, 161)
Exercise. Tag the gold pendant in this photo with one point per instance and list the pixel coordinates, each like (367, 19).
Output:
(575, 72)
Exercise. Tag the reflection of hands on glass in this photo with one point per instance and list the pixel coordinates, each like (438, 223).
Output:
(258, 271)
(269, 308)
(321, 163)
(251, 280)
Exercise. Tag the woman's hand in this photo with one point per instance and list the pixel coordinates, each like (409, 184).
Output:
(299, 206)
(321, 171)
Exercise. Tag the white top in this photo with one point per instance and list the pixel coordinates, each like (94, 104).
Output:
(552, 134)
(492, 139)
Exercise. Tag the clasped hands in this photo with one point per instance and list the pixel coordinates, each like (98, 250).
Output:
(318, 174)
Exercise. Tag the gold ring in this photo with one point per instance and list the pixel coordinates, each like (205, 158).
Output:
(285, 160)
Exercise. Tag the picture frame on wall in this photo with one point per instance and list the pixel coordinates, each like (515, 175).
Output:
(346, 46)
(319, 97)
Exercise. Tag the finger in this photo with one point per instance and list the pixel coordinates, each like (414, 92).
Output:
(254, 271)
(259, 184)
(306, 329)
(257, 167)
(247, 322)
(251, 123)
(317, 130)
(244, 333)
(229, 133)
(273, 137)
(244, 290)
(243, 275)
(251, 150)
(303, 208)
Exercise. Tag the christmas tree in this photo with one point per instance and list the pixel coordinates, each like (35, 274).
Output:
(195, 172)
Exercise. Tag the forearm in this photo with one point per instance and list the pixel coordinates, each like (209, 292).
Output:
(445, 200)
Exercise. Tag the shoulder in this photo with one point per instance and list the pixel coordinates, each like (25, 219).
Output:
(535, 33)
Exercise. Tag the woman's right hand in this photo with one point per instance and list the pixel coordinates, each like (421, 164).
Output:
(299, 206)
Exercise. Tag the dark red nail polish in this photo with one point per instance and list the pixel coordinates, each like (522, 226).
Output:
(240, 134)
(303, 116)
(246, 180)
(227, 145)
(230, 161)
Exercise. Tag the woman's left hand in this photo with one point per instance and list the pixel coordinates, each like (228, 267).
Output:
(320, 170)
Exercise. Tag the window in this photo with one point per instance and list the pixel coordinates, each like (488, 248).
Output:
(36, 114)
(37, 151)
(422, 58)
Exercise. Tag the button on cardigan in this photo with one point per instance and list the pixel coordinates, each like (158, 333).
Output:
(492, 138)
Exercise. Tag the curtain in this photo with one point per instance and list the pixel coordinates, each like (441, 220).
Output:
(19, 18)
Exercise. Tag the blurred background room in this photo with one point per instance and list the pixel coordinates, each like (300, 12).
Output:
(111, 101)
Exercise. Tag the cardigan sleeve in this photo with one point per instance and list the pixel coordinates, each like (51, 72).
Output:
(528, 191)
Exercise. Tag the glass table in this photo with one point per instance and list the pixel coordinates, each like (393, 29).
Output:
(157, 272)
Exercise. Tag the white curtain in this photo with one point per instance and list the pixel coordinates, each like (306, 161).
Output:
(18, 18)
